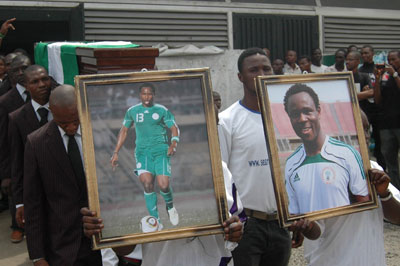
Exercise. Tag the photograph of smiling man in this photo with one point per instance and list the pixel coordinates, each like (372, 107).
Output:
(323, 172)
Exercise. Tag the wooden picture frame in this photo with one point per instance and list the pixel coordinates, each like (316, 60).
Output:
(340, 122)
(196, 181)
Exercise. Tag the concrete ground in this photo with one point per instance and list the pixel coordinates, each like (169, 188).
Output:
(11, 254)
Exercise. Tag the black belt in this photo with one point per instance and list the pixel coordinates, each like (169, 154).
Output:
(261, 215)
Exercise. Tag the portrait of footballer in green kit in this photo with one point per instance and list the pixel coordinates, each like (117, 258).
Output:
(153, 150)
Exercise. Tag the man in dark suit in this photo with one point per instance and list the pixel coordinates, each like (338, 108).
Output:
(55, 188)
(9, 102)
(24, 121)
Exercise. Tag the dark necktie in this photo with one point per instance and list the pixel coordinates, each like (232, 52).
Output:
(43, 112)
(76, 162)
(28, 96)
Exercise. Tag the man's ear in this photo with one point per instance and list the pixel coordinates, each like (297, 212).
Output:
(240, 77)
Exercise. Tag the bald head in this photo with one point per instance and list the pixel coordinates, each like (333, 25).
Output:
(63, 96)
(63, 106)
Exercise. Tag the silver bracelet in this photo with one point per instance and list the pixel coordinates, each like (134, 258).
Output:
(388, 197)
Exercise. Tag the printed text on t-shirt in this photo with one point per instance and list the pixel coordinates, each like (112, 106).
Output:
(262, 162)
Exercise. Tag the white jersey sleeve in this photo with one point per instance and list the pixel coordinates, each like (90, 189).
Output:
(358, 183)
(225, 140)
(294, 207)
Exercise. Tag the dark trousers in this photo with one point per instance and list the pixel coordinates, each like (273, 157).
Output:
(390, 149)
(13, 210)
(377, 137)
(263, 243)
(87, 256)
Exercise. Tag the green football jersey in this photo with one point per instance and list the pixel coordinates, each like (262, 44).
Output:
(150, 124)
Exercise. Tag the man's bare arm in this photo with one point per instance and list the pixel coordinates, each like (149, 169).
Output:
(5, 27)
(174, 142)
(390, 205)
(121, 139)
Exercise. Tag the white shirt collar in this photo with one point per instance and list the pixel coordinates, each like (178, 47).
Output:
(21, 89)
(36, 106)
(62, 132)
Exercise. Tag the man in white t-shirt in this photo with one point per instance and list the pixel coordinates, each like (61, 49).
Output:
(339, 66)
(322, 170)
(357, 239)
(244, 149)
(316, 57)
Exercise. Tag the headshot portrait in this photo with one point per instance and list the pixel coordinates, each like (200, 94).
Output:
(318, 154)
(323, 172)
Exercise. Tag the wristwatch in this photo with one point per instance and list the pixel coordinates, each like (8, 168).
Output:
(395, 75)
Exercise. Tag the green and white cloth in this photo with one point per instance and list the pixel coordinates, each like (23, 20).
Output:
(59, 58)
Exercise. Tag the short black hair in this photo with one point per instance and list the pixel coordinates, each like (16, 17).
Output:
(357, 54)
(247, 53)
(352, 45)
(32, 68)
(297, 88)
(395, 51)
(216, 94)
(341, 50)
(290, 50)
(148, 85)
(304, 57)
(368, 46)
(315, 49)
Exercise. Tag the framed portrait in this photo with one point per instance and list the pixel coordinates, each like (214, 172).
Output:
(317, 146)
(151, 155)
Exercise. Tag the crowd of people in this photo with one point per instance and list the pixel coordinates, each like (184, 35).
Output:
(43, 180)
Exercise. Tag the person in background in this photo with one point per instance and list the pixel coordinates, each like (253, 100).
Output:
(24, 121)
(217, 100)
(339, 66)
(316, 58)
(9, 102)
(291, 67)
(277, 66)
(305, 64)
(387, 95)
(375, 114)
(352, 48)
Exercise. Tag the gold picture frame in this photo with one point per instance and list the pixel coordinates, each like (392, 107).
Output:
(339, 119)
(196, 181)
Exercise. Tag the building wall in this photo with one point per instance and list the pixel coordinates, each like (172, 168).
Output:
(210, 22)
(223, 68)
